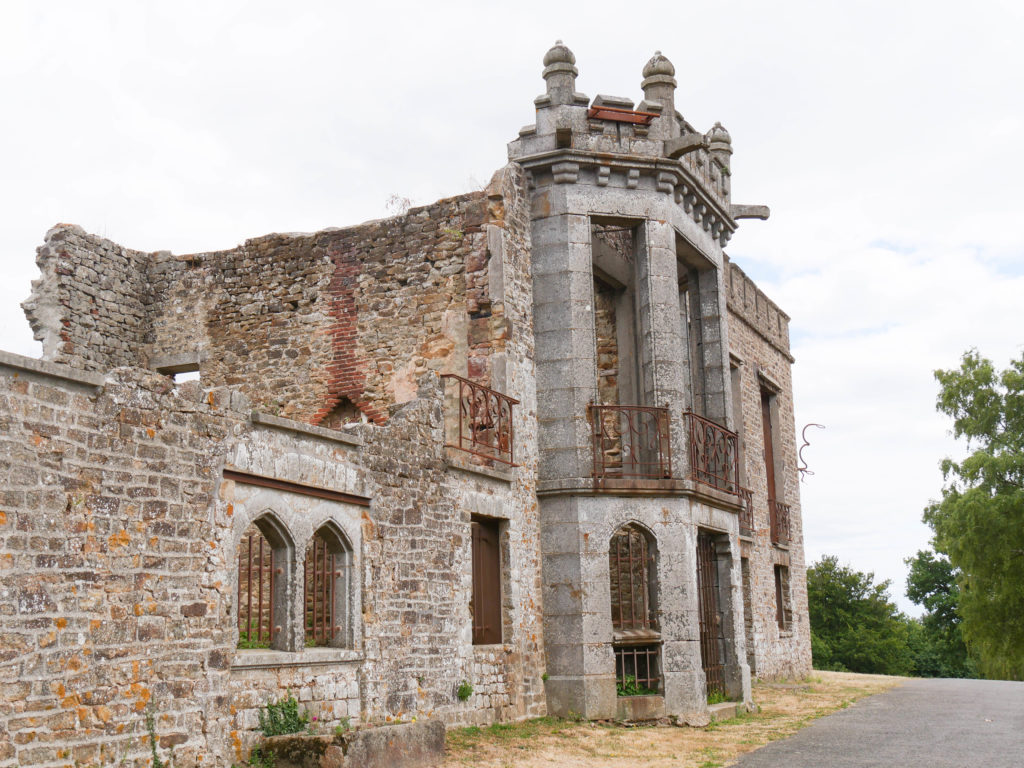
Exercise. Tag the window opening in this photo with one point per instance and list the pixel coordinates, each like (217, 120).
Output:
(709, 614)
(637, 670)
(630, 565)
(486, 600)
(320, 585)
(783, 609)
(255, 590)
(748, 614)
(636, 639)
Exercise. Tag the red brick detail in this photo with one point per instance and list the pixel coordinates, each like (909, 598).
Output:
(346, 372)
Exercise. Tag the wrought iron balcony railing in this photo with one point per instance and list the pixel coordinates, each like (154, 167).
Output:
(630, 441)
(779, 515)
(714, 458)
(746, 512)
(485, 420)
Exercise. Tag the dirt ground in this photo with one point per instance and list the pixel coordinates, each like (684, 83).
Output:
(784, 709)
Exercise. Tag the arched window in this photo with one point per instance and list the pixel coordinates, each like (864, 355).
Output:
(631, 562)
(327, 592)
(632, 565)
(262, 584)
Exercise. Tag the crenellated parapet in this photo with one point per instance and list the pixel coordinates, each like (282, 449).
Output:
(752, 304)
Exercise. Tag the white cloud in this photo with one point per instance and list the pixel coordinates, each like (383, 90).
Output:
(888, 139)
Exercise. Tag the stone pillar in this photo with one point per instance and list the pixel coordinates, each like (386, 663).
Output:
(720, 147)
(560, 74)
(564, 334)
(659, 86)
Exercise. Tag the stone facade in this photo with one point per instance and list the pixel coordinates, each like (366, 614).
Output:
(587, 284)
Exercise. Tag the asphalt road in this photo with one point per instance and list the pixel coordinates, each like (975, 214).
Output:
(931, 723)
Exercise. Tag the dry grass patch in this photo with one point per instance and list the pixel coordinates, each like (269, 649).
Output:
(546, 741)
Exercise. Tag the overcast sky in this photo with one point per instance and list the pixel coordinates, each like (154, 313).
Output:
(887, 137)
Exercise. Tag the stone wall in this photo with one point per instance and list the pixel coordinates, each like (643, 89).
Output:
(88, 307)
(301, 323)
(118, 539)
(759, 345)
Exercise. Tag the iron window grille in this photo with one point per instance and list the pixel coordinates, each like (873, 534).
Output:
(255, 590)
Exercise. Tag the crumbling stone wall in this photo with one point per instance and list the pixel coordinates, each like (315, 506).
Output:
(300, 323)
(759, 345)
(118, 536)
(88, 307)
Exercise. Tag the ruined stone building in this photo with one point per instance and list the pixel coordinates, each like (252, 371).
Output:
(527, 450)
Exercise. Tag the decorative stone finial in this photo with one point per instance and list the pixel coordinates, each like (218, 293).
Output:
(718, 135)
(659, 65)
(560, 74)
(559, 53)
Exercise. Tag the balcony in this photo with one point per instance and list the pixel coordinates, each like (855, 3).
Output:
(484, 426)
(714, 458)
(746, 512)
(779, 515)
(630, 442)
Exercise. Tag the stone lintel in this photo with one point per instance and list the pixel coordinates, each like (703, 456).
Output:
(20, 363)
(268, 420)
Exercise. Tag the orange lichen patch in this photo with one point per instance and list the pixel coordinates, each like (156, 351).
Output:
(70, 702)
(237, 744)
(231, 511)
(120, 539)
(142, 693)
(150, 431)
(74, 664)
(137, 609)
(48, 639)
(61, 622)
(3, 518)
(103, 713)
(95, 624)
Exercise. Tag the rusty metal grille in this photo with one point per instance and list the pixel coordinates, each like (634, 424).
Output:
(255, 590)
(630, 562)
(637, 670)
(780, 521)
(630, 441)
(485, 420)
(746, 512)
(709, 615)
(321, 579)
(714, 458)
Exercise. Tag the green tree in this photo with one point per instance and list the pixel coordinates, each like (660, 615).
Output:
(939, 649)
(854, 625)
(979, 523)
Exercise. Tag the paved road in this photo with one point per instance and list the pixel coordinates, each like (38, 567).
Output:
(930, 723)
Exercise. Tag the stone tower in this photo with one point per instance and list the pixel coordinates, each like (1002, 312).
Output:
(630, 213)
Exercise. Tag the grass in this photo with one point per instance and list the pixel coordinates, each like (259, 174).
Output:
(544, 741)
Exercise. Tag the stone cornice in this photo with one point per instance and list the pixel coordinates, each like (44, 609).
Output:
(670, 177)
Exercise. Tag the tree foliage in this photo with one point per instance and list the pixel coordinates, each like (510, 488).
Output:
(979, 523)
(938, 646)
(854, 625)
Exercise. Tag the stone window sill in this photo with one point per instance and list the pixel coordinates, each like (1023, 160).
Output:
(785, 633)
(307, 657)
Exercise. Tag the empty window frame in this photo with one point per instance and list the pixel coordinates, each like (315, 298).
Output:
(783, 606)
(486, 599)
(327, 593)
